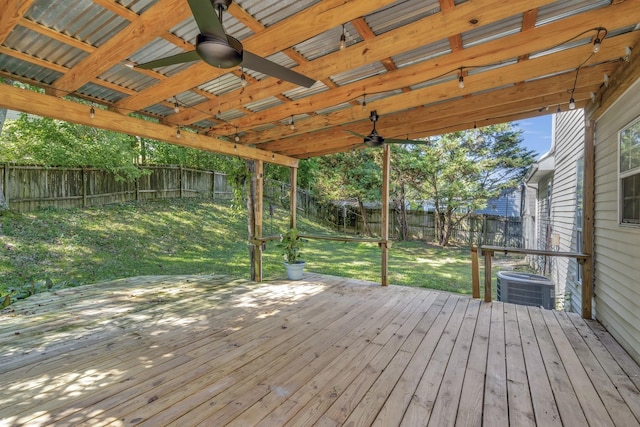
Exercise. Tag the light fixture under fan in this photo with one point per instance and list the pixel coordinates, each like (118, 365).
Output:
(220, 50)
(376, 140)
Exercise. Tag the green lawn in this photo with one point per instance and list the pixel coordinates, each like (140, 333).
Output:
(81, 246)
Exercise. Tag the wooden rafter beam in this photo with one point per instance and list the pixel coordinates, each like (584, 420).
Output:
(139, 32)
(477, 108)
(295, 29)
(492, 52)
(61, 109)
(386, 45)
(12, 12)
(554, 63)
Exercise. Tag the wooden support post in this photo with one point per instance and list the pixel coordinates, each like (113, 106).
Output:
(259, 185)
(475, 272)
(487, 275)
(588, 219)
(293, 197)
(384, 217)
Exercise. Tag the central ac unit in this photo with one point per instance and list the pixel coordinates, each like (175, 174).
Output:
(526, 289)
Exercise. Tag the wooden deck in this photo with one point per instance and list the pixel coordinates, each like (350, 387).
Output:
(327, 351)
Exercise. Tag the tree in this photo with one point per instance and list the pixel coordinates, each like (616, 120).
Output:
(464, 169)
(45, 141)
(407, 175)
(353, 175)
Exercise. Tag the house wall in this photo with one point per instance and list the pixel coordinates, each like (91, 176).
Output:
(569, 149)
(544, 224)
(617, 247)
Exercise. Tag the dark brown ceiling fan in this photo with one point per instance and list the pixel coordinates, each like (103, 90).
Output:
(220, 50)
(376, 140)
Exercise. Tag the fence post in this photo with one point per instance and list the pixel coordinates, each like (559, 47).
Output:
(84, 188)
(475, 272)
(5, 185)
(180, 181)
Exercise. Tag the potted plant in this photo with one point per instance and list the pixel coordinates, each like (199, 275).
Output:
(291, 243)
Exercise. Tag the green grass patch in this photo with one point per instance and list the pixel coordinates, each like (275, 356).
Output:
(193, 236)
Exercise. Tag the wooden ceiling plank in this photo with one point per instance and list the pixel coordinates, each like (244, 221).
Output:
(12, 13)
(455, 41)
(423, 122)
(49, 106)
(529, 19)
(141, 31)
(553, 63)
(491, 52)
(118, 9)
(55, 35)
(33, 60)
(295, 29)
(557, 63)
(385, 45)
(619, 82)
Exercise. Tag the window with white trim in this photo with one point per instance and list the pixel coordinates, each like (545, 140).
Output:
(629, 143)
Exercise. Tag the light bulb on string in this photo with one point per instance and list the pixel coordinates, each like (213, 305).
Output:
(236, 138)
(461, 80)
(292, 125)
(243, 79)
(92, 112)
(343, 39)
(572, 104)
(178, 133)
(596, 45)
(176, 107)
(364, 103)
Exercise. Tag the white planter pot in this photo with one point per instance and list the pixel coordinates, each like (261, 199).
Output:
(294, 271)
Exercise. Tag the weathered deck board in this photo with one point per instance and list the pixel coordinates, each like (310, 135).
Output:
(325, 351)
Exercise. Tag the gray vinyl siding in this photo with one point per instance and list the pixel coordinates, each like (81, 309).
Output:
(544, 225)
(569, 137)
(617, 247)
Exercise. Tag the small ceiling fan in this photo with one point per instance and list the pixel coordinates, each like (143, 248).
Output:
(220, 50)
(376, 140)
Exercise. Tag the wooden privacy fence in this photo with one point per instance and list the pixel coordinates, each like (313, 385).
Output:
(27, 188)
(476, 229)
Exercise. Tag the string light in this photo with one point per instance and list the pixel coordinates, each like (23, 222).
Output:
(606, 80)
(236, 138)
(292, 125)
(364, 103)
(243, 79)
(572, 104)
(178, 134)
(92, 112)
(597, 42)
(343, 39)
(627, 54)
(176, 106)
(461, 80)
(558, 110)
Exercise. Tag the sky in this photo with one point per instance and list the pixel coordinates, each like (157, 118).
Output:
(537, 133)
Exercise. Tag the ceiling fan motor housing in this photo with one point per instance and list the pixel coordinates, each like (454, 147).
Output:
(218, 52)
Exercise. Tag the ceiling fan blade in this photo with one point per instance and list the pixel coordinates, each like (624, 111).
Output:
(405, 141)
(264, 66)
(206, 17)
(356, 134)
(170, 60)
